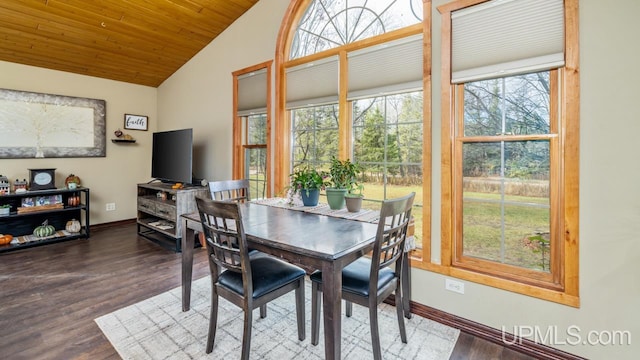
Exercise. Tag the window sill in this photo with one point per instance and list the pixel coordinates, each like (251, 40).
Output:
(556, 296)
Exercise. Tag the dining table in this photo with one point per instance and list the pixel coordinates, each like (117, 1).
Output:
(314, 241)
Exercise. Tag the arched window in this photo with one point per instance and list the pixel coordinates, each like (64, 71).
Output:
(350, 80)
(328, 24)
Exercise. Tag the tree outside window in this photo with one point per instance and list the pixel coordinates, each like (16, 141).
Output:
(387, 134)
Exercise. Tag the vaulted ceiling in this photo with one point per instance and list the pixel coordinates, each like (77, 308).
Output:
(136, 41)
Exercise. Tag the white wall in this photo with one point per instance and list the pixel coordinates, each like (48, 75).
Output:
(200, 95)
(111, 178)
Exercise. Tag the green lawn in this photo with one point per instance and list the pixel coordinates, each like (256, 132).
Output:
(376, 192)
(482, 225)
(482, 229)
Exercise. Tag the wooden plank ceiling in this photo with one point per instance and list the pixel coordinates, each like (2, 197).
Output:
(136, 41)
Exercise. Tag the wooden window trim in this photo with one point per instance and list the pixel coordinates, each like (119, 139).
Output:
(566, 199)
(238, 140)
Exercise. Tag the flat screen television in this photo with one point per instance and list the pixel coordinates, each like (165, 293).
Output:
(172, 156)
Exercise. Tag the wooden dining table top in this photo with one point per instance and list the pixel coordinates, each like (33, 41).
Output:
(303, 238)
(322, 237)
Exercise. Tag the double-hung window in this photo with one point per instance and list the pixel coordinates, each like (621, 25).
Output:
(510, 145)
(250, 129)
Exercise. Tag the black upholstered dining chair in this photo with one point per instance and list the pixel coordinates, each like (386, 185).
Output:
(368, 281)
(230, 190)
(236, 191)
(227, 190)
(248, 282)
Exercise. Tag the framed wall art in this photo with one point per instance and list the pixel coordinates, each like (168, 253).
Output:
(136, 122)
(37, 125)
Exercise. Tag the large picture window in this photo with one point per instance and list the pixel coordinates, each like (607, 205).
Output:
(387, 143)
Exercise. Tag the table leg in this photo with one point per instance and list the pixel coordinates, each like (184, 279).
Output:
(187, 243)
(331, 304)
(405, 278)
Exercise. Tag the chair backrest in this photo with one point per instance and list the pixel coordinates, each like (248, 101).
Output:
(224, 233)
(395, 215)
(230, 190)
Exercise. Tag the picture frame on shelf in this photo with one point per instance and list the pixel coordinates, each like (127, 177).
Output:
(42, 179)
(136, 122)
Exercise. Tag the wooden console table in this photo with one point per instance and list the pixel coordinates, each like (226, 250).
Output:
(159, 211)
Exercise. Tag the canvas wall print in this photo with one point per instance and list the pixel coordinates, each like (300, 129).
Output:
(37, 125)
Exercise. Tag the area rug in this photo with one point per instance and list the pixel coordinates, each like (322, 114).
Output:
(157, 328)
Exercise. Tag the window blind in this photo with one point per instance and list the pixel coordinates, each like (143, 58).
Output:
(315, 83)
(506, 37)
(387, 68)
(252, 93)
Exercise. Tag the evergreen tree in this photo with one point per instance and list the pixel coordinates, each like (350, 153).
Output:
(376, 145)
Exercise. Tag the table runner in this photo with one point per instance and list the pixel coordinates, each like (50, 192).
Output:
(364, 215)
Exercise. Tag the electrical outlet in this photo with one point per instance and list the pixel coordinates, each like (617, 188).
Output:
(111, 206)
(453, 285)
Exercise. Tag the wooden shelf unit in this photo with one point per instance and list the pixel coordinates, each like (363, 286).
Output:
(160, 208)
(23, 224)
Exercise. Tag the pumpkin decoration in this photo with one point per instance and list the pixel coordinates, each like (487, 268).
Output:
(5, 239)
(73, 200)
(44, 230)
(71, 179)
(73, 226)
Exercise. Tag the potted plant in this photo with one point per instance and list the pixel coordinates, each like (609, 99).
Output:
(344, 175)
(5, 209)
(353, 198)
(307, 182)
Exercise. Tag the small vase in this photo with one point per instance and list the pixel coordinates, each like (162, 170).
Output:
(310, 196)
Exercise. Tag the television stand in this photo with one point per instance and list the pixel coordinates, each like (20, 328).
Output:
(159, 210)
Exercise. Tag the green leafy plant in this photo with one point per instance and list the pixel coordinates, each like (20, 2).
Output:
(344, 173)
(4, 206)
(539, 244)
(307, 178)
(356, 190)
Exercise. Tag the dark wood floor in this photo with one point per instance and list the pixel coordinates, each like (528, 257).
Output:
(49, 295)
